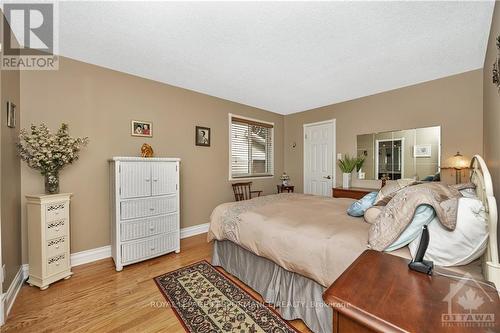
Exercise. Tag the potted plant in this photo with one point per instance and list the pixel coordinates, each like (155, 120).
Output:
(347, 165)
(48, 152)
(360, 160)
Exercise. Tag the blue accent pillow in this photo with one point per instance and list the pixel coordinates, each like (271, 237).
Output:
(424, 214)
(358, 208)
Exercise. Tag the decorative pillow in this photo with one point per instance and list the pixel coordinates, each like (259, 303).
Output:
(358, 208)
(387, 192)
(424, 214)
(372, 213)
(464, 244)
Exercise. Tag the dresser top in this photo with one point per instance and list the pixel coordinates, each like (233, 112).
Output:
(48, 197)
(144, 159)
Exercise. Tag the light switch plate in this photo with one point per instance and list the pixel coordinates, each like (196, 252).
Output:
(339, 156)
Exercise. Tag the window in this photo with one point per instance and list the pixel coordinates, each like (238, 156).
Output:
(251, 148)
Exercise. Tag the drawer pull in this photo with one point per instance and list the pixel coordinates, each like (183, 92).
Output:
(152, 228)
(57, 264)
(57, 246)
(57, 229)
(147, 180)
(155, 180)
(151, 209)
(152, 248)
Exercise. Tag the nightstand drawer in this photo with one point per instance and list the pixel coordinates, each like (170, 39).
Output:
(57, 228)
(56, 211)
(57, 264)
(57, 246)
(135, 229)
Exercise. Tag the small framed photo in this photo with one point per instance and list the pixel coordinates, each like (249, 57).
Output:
(11, 114)
(141, 128)
(202, 136)
(422, 150)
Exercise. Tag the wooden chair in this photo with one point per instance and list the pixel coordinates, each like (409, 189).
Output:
(243, 191)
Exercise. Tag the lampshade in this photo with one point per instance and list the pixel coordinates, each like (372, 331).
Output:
(459, 161)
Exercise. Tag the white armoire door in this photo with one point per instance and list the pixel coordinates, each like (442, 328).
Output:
(135, 179)
(164, 178)
(319, 152)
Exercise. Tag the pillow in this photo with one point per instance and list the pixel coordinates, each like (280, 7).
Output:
(468, 193)
(387, 192)
(424, 214)
(464, 244)
(358, 208)
(371, 214)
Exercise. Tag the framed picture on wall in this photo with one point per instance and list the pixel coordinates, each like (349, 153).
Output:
(141, 128)
(422, 150)
(11, 114)
(202, 136)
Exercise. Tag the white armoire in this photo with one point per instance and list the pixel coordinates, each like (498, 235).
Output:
(145, 211)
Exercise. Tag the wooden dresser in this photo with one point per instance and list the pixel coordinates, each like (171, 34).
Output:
(379, 293)
(352, 192)
(48, 239)
(145, 210)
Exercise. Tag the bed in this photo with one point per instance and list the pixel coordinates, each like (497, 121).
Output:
(257, 241)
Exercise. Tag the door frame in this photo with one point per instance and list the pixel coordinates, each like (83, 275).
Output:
(333, 123)
(377, 141)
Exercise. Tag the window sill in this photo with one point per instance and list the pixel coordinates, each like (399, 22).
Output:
(232, 179)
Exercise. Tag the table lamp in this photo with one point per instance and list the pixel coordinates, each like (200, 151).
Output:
(459, 162)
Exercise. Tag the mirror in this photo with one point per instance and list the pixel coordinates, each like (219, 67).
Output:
(413, 153)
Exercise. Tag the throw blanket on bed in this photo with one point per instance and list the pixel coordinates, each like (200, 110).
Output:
(309, 235)
(398, 213)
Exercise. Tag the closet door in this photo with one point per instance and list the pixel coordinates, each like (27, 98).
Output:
(164, 178)
(135, 179)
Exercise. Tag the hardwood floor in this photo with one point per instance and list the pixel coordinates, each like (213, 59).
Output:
(99, 299)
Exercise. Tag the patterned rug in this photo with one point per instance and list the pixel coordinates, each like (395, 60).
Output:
(206, 301)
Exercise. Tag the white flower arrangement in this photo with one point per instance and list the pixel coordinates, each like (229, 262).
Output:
(284, 179)
(48, 152)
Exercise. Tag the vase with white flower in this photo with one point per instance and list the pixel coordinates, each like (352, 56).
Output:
(49, 152)
(284, 179)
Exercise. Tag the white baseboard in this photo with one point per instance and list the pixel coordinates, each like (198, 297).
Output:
(84, 257)
(194, 230)
(10, 295)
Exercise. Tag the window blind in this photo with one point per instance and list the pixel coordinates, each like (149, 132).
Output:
(251, 148)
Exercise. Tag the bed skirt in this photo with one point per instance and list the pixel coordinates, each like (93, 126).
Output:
(296, 296)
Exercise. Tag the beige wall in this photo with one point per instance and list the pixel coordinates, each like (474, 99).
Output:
(492, 108)
(100, 103)
(10, 179)
(454, 102)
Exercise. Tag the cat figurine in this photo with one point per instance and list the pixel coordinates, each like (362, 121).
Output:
(146, 150)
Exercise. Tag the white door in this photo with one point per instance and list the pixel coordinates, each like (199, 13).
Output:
(319, 156)
(164, 177)
(135, 179)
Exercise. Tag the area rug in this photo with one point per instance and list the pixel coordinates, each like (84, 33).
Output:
(206, 301)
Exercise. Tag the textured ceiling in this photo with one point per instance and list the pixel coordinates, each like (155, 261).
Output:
(281, 57)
